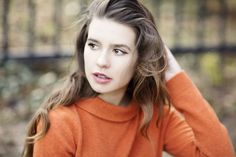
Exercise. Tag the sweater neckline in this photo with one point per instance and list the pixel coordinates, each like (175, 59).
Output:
(102, 109)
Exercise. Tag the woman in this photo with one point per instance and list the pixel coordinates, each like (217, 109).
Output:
(123, 100)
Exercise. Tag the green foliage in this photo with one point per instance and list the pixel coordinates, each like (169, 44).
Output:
(210, 65)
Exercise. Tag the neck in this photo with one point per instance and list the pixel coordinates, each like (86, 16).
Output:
(121, 100)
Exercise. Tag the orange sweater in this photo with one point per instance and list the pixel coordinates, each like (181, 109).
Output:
(94, 128)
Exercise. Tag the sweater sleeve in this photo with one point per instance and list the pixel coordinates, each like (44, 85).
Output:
(196, 131)
(59, 141)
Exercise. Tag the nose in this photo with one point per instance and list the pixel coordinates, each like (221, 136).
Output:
(103, 60)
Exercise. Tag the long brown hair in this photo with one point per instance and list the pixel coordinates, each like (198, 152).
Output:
(147, 86)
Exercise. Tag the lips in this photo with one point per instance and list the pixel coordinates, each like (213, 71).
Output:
(101, 78)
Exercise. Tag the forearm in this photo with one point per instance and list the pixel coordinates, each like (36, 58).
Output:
(211, 136)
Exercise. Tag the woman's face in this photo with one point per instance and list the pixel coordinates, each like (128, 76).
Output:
(110, 57)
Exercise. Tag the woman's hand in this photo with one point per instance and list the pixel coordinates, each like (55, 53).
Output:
(173, 67)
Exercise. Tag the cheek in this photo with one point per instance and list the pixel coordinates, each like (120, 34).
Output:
(86, 63)
(126, 73)
(133, 65)
(85, 54)
(131, 71)
(88, 59)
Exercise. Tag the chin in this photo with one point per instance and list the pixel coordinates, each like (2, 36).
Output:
(98, 89)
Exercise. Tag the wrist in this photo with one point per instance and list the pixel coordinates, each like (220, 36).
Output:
(173, 67)
(170, 73)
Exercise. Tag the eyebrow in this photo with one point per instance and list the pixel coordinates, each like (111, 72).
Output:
(116, 45)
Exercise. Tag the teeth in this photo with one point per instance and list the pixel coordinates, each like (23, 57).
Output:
(102, 76)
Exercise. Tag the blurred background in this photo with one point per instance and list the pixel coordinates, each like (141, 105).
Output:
(37, 44)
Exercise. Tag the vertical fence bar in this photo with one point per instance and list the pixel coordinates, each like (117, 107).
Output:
(179, 5)
(31, 27)
(82, 4)
(157, 5)
(222, 36)
(222, 21)
(58, 25)
(201, 15)
(6, 28)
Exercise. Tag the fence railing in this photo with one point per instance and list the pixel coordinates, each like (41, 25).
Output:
(223, 11)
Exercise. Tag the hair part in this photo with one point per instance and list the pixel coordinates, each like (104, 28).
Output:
(147, 87)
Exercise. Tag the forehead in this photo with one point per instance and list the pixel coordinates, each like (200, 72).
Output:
(108, 30)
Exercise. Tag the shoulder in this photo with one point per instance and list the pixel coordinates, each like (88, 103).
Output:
(65, 117)
(64, 114)
(64, 129)
(168, 116)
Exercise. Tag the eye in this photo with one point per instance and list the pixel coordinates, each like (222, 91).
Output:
(93, 46)
(119, 52)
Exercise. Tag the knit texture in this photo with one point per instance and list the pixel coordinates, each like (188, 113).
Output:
(95, 128)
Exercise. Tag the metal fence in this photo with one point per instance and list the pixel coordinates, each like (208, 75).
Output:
(224, 14)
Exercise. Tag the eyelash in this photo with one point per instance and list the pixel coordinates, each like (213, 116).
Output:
(92, 46)
(123, 52)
